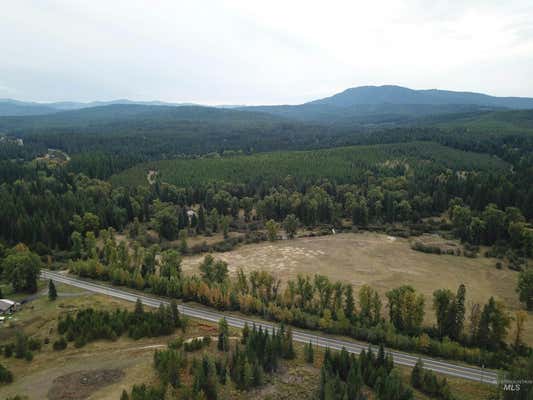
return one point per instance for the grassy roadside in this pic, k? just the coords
(296, 379)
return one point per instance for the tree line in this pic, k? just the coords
(318, 303)
(90, 324)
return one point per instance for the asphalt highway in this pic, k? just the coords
(443, 367)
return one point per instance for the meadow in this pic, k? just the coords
(381, 261)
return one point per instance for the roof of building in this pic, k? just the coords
(6, 304)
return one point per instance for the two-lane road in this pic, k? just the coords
(443, 367)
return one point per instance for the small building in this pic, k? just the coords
(8, 306)
(191, 214)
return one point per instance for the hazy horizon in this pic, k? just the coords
(170, 102)
(242, 53)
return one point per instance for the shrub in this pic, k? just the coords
(197, 344)
(60, 344)
(5, 375)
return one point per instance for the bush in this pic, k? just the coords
(34, 344)
(176, 343)
(428, 383)
(425, 248)
(197, 344)
(60, 344)
(80, 341)
(5, 375)
(8, 350)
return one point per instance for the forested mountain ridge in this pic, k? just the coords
(9, 107)
(101, 116)
(359, 105)
(389, 104)
(368, 115)
(508, 121)
(391, 94)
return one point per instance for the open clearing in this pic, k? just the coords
(99, 370)
(381, 261)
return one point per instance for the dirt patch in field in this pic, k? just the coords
(80, 385)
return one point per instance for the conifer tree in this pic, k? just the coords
(349, 306)
(139, 309)
(309, 353)
(223, 335)
(184, 248)
(288, 346)
(201, 219)
(175, 313)
(459, 312)
(52, 293)
(416, 374)
(245, 333)
(354, 382)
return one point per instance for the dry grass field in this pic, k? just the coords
(65, 375)
(379, 260)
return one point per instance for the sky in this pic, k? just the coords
(260, 52)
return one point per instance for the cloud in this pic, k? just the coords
(243, 51)
(6, 90)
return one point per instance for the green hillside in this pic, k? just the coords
(343, 164)
(497, 122)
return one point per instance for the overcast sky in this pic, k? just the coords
(260, 52)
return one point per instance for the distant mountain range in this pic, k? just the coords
(390, 94)
(10, 107)
(131, 118)
(365, 105)
(392, 104)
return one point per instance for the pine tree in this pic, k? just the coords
(349, 306)
(77, 244)
(52, 293)
(223, 335)
(139, 309)
(175, 313)
(184, 248)
(258, 374)
(201, 219)
(124, 395)
(459, 312)
(309, 353)
(248, 376)
(417, 374)
(288, 346)
(322, 383)
(245, 333)
(380, 362)
(354, 382)
(224, 222)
